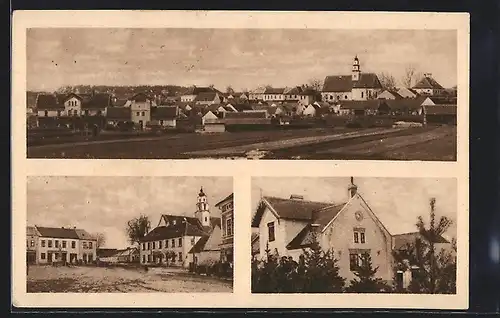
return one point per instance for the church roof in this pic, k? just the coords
(178, 226)
(344, 83)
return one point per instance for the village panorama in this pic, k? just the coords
(185, 248)
(342, 116)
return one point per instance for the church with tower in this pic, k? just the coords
(356, 86)
(179, 240)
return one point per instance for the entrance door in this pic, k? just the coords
(49, 257)
(141, 123)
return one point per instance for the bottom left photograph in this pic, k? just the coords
(129, 234)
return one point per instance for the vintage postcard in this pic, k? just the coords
(352, 130)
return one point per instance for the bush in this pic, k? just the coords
(316, 272)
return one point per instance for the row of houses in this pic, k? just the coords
(46, 245)
(184, 240)
(349, 228)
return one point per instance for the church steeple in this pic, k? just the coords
(202, 209)
(355, 69)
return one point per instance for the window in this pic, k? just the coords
(57, 256)
(143, 246)
(90, 246)
(345, 97)
(143, 114)
(144, 258)
(58, 113)
(154, 245)
(50, 243)
(180, 256)
(229, 227)
(137, 114)
(353, 261)
(75, 112)
(42, 255)
(73, 244)
(149, 258)
(362, 94)
(359, 235)
(32, 243)
(161, 122)
(180, 241)
(46, 113)
(64, 244)
(149, 245)
(57, 243)
(173, 243)
(159, 244)
(43, 243)
(206, 219)
(270, 230)
(166, 243)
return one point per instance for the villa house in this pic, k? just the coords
(357, 86)
(175, 235)
(349, 228)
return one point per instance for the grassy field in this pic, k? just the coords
(427, 143)
(50, 279)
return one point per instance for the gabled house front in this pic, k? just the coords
(348, 229)
(428, 86)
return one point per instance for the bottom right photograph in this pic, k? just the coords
(354, 235)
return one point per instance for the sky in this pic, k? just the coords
(105, 204)
(241, 58)
(397, 202)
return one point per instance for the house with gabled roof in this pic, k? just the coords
(428, 86)
(175, 235)
(292, 93)
(357, 86)
(208, 98)
(164, 116)
(348, 228)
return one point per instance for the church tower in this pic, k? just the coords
(355, 69)
(202, 209)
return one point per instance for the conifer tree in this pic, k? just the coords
(366, 280)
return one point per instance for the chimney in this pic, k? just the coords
(352, 189)
(296, 197)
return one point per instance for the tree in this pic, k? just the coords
(387, 80)
(366, 281)
(315, 84)
(410, 76)
(434, 271)
(101, 239)
(229, 90)
(137, 228)
(320, 271)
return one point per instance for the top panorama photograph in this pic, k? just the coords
(171, 93)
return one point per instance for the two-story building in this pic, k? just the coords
(227, 222)
(67, 245)
(257, 94)
(175, 235)
(274, 94)
(357, 86)
(140, 109)
(348, 228)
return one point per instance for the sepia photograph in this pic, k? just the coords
(357, 235)
(241, 93)
(129, 234)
